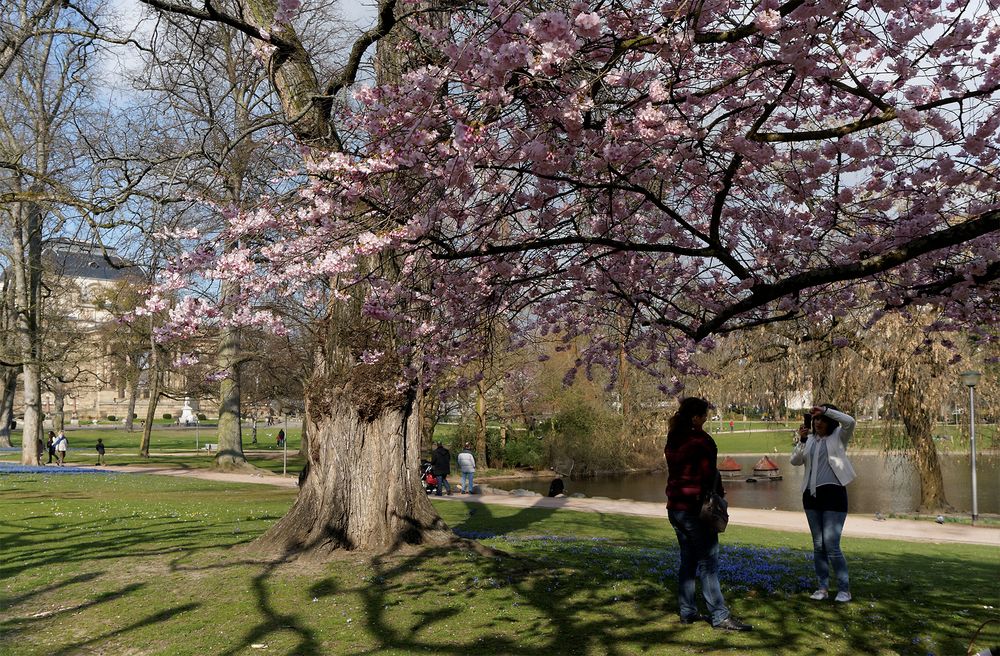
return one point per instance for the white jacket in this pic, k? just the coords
(466, 462)
(836, 450)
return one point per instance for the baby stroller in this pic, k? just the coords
(428, 477)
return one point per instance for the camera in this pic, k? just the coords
(807, 420)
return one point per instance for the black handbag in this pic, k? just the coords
(714, 508)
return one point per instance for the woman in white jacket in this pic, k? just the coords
(823, 451)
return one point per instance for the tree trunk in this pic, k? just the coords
(230, 434)
(918, 421)
(154, 397)
(133, 391)
(362, 491)
(8, 386)
(59, 406)
(28, 279)
(429, 407)
(303, 439)
(481, 423)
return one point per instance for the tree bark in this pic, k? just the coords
(429, 406)
(154, 397)
(363, 490)
(59, 406)
(230, 434)
(8, 386)
(28, 279)
(133, 390)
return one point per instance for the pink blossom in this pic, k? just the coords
(286, 10)
(588, 25)
(767, 21)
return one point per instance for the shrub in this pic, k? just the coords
(112, 418)
(202, 417)
(523, 450)
(167, 415)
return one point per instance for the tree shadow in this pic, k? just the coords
(23, 597)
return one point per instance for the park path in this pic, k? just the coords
(858, 526)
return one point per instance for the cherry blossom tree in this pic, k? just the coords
(634, 176)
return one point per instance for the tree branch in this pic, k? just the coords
(984, 224)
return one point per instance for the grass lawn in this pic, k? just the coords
(134, 565)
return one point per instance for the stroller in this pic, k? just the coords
(428, 477)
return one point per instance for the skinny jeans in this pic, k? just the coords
(826, 514)
(699, 547)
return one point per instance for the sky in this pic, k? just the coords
(135, 17)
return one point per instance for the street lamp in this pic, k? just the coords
(970, 379)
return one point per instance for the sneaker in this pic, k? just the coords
(819, 595)
(843, 597)
(732, 624)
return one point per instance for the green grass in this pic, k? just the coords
(127, 564)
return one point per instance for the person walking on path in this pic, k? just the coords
(100, 451)
(467, 465)
(39, 450)
(691, 455)
(51, 445)
(823, 450)
(61, 444)
(441, 467)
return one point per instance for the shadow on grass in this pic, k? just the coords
(559, 593)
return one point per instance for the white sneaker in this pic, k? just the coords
(819, 595)
(843, 597)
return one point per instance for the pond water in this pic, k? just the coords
(885, 483)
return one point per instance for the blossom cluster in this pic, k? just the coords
(634, 181)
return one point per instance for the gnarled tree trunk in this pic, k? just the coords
(362, 490)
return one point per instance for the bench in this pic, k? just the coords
(210, 447)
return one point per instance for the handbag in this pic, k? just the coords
(714, 509)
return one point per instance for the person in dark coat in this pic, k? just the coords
(51, 444)
(691, 472)
(441, 467)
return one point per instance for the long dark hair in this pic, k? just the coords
(679, 426)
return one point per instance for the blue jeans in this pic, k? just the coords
(443, 480)
(699, 557)
(826, 527)
(467, 481)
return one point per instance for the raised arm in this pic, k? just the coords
(846, 424)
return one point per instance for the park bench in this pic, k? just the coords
(210, 447)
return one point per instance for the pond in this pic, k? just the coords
(885, 483)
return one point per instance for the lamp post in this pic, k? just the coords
(970, 379)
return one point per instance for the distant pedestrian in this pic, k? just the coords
(557, 488)
(281, 438)
(100, 451)
(39, 450)
(732, 426)
(467, 466)
(441, 467)
(691, 474)
(51, 444)
(823, 451)
(61, 445)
